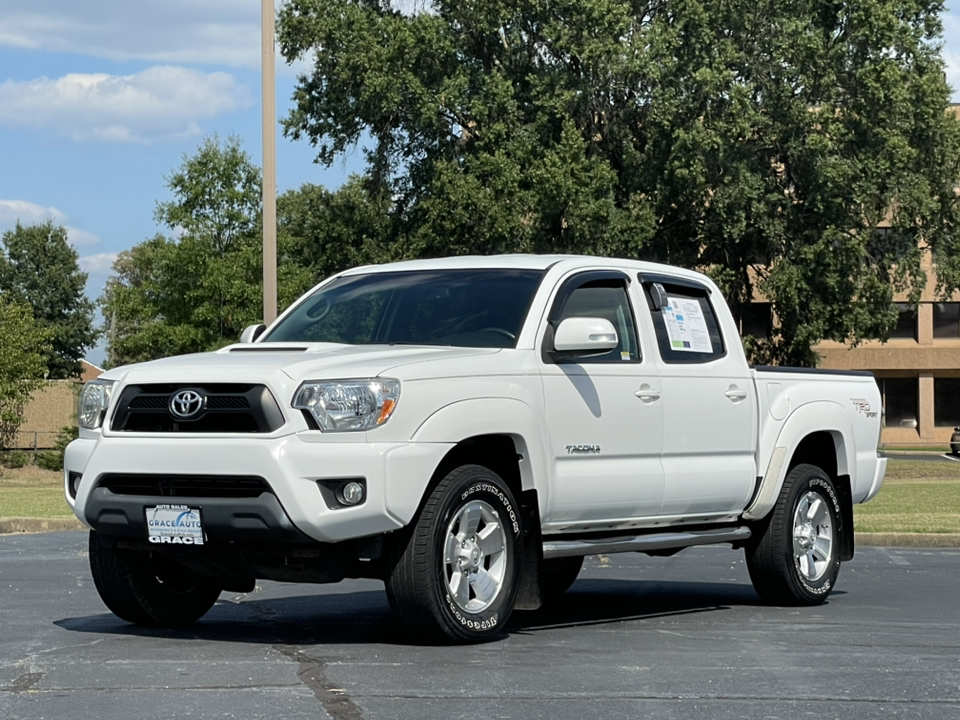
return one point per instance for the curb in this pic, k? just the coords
(11, 526)
(909, 540)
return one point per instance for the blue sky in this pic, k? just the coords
(100, 99)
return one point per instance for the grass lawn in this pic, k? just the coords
(32, 492)
(921, 497)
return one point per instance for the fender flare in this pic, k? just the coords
(821, 416)
(474, 417)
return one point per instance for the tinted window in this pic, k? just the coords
(906, 328)
(946, 402)
(946, 320)
(468, 308)
(899, 401)
(601, 298)
(687, 329)
(757, 319)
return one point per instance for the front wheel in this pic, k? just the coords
(456, 576)
(146, 588)
(796, 559)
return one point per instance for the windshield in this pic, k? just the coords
(463, 308)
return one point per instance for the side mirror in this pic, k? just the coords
(252, 332)
(585, 336)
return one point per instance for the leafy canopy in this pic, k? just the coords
(39, 270)
(197, 291)
(23, 363)
(760, 141)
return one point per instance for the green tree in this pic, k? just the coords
(39, 269)
(23, 363)
(323, 232)
(216, 195)
(196, 292)
(760, 141)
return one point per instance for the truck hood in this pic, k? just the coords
(293, 361)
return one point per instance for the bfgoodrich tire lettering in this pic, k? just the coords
(455, 577)
(796, 559)
(145, 588)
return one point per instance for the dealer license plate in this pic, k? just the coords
(174, 525)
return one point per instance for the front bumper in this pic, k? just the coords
(396, 475)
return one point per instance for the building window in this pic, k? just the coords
(946, 320)
(946, 402)
(899, 401)
(906, 322)
(757, 319)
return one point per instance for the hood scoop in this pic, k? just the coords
(277, 349)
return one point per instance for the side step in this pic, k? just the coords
(642, 543)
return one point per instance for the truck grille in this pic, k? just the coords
(225, 408)
(198, 486)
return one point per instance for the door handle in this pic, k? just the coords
(736, 394)
(647, 393)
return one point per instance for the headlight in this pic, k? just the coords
(94, 399)
(345, 405)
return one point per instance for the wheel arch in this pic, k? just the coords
(829, 446)
(504, 435)
(491, 431)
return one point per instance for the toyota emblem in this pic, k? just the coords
(187, 404)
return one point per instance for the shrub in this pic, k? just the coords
(53, 459)
(15, 459)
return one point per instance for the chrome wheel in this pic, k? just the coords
(813, 537)
(475, 558)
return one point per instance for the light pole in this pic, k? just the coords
(269, 121)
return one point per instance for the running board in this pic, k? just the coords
(643, 543)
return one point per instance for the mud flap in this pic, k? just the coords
(846, 518)
(529, 594)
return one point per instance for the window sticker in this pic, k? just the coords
(686, 325)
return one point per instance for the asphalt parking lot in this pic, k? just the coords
(636, 637)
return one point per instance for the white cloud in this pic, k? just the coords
(26, 213)
(217, 32)
(99, 264)
(951, 52)
(29, 213)
(81, 238)
(159, 103)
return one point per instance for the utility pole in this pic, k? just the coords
(269, 120)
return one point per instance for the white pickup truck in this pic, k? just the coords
(467, 430)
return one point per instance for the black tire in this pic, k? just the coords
(796, 558)
(466, 596)
(146, 588)
(558, 575)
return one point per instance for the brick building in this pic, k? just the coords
(50, 409)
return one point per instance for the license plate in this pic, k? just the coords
(174, 525)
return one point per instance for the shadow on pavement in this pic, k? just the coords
(365, 616)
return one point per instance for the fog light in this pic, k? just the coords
(351, 493)
(73, 483)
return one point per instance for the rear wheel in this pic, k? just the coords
(796, 559)
(146, 588)
(456, 576)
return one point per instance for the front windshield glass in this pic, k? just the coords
(463, 308)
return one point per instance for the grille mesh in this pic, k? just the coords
(205, 486)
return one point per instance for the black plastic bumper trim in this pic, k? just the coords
(260, 519)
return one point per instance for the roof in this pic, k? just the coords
(519, 262)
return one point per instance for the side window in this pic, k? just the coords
(600, 295)
(686, 325)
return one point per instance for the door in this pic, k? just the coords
(709, 400)
(605, 439)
